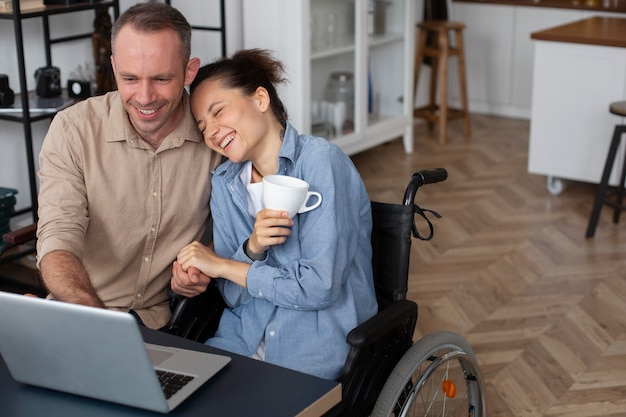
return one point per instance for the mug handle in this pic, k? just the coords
(310, 194)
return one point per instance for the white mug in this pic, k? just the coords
(282, 192)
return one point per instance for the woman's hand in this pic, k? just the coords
(196, 255)
(272, 227)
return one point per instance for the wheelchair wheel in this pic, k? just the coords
(437, 376)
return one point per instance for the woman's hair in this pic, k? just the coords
(153, 17)
(247, 70)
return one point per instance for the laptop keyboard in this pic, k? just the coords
(172, 382)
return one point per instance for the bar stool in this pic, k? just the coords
(441, 52)
(613, 198)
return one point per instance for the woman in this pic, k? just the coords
(294, 287)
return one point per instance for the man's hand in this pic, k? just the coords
(189, 283)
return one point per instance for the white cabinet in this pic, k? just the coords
(316, 38)
(571, 126)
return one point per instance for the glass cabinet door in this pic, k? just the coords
(358, 73)
(385, 66)
(333, 67)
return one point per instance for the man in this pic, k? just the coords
(125, 177)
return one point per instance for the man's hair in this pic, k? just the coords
(153, 17)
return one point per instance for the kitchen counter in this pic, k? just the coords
(617, 6)
(579, 70)
(604, 31)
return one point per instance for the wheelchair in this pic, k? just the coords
(385, 373)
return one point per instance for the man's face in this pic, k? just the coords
(150, 75)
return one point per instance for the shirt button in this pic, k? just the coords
(296, 307)
(153, 229)
(260, 293)
(154, 194)
(272, 333)
(139, 295)
(146, 259)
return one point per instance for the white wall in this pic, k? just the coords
(67, 56)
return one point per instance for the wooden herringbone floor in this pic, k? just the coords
(509, 268)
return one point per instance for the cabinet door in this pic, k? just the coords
(374, 40)
(336, 67)
(389, 66)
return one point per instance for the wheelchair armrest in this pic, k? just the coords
(177, 307)
(379, 325)
(195, 318)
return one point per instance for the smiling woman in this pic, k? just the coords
(295, 286)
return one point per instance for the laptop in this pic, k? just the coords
(96, 353)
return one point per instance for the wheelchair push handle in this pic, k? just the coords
(426, 176)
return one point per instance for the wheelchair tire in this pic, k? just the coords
(437, 376)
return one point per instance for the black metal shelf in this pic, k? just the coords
(26, 117)
(57, 9)
(221, 29)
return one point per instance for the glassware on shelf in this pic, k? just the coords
(340, 89)
(376, 20)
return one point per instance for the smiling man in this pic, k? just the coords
(125, 177)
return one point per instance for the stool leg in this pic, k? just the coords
(443, 84)
(604, 181)
(432, 93)
(619, 195)
(463, 83)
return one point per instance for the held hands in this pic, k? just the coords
(196, 263)
(272, 227)
(188, 283)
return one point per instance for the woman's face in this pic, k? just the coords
(232, 123)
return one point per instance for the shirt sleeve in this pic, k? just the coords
(62, 193)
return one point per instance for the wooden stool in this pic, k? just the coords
(615, 197)
(440, 53)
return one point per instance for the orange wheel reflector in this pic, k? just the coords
(449, 388)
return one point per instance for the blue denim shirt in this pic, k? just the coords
(310, 291)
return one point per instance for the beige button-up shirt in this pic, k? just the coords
(121, 207)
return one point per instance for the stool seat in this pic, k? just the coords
(618, 108)
(441, 49)
(615, 197)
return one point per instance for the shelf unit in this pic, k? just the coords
(314, 38)
(27, 116)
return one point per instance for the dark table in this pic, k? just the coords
(246, 387)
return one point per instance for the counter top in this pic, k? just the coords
(617, 6)
(605, 31)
